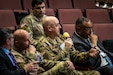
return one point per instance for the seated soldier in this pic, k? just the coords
(56, 48)
(25, 53)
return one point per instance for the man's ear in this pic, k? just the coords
(78, 28)
(8, 41)
(49, 28)
(16, 43)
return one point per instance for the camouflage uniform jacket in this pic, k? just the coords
(23, 59)
(33, 25)
(53, 52)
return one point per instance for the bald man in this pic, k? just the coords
(56, 48)
(25, 53)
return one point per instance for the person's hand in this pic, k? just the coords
(94, 38)
(93, 52)
(31, 67)
(31, 49)
(68, 43)
(70, 65)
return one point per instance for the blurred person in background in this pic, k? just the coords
(33, 22)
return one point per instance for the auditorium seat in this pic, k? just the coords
(56, 4)
(14, 5)
(70, 28)
(98, 15)
(10, 4)
(49, 12)
(104, 30)
(84, 4)
(7, 19)
(108, 45)
(69, 15)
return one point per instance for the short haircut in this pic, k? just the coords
(36, 2)
(5, 34)
(80, 20)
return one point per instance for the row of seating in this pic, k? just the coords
(103, 30)
(102, 24)
(10, 19)
(70, 15)
(54, 4)
(65, 15)
(96, 15)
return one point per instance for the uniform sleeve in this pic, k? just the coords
(56, 54)
(26, 24)
(48, 64)
(79, 57)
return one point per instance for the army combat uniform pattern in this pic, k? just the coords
(46, 67)
(53, 51)
(33, 25)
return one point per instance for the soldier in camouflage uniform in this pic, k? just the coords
(33, 22)
(56, 48)
(25, 53)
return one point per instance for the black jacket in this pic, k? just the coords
(6, 67)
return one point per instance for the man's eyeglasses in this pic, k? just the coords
(87, 28)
